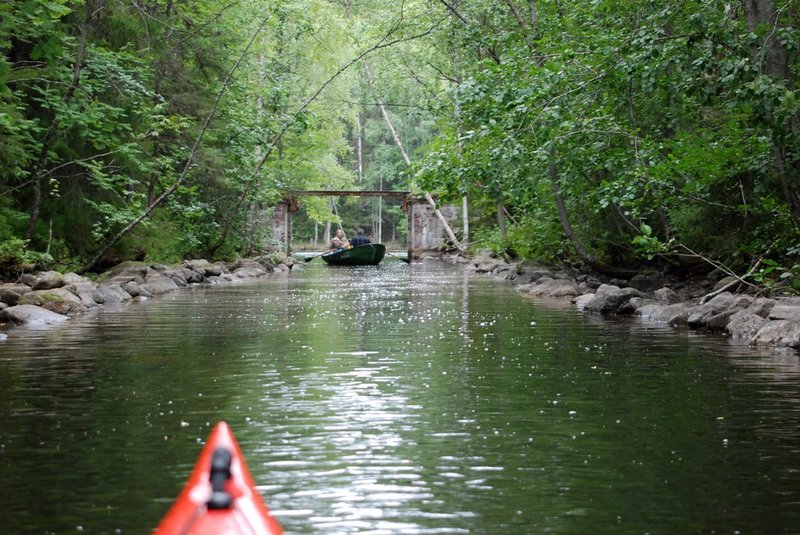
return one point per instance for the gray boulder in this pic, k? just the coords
(200, 264)
(486, 266)
(125, 268)
(781, 333)
(157, 284)
(10, 293)
(245, 263)
(249, 272)
(48, 280)
(632, 306)
(217, 269)
(581, 300)
(523, 279)
(58, 300)
(723, 282)
(189, 276)
(87, 292)
(113, 293)
(134, 290)
(505, 271)
(666, 296)
(28, 279)
(74, 278)
(700, 313)
(547, 287)
(608, 298)
(676, 314)
(763, 306)
(177, 277)
(647, 282)
(786, 308)
(718, 322)
(30, 315)
(192, 275)
(743, 326)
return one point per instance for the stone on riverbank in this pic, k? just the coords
(11, 293)
(743, 327)
(113, 293)
(30, 315)
(609, 298)
(134, 290)
(647, 282)
(548, 287)
(158, 283)
(87, 292)
(719, 321)
(51, 295)
(675, 314)
(763, 321)
(246, 268)
(787, 308)
(700, 313)
(48, 280)
(666, 296)
(128, 268)
(784, 333)
(58, 300)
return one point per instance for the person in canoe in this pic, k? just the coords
(359, 238)
(339, 241)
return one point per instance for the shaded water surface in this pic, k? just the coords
(398, 399)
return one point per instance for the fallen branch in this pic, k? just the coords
(737, 279)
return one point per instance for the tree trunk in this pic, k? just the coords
(379, 233)
(326, 235)
(400, 146)
(501, 221)
(774, 62)
(465, 218)
(407, 160)
(566, 226)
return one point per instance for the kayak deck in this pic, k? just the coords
(220, 497)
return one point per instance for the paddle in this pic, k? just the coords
(406, 260)
(310, 258)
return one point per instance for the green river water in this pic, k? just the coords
(397, 400)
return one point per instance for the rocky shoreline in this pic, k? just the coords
(706, 305)
(51, 297)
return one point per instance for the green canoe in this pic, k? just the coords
(370, 254)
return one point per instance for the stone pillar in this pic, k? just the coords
(281, 225)
(425, 232)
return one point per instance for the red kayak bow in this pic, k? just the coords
(220, 497)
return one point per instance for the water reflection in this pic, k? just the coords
(398, 399)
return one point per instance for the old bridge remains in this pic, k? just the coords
(425, 231)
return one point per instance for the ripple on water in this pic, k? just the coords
(399, 400)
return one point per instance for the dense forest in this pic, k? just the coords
(618, 134)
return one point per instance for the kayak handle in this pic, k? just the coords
(220, 474)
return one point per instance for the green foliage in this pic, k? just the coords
(660, 124)
(16, 257)
(648, 245)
